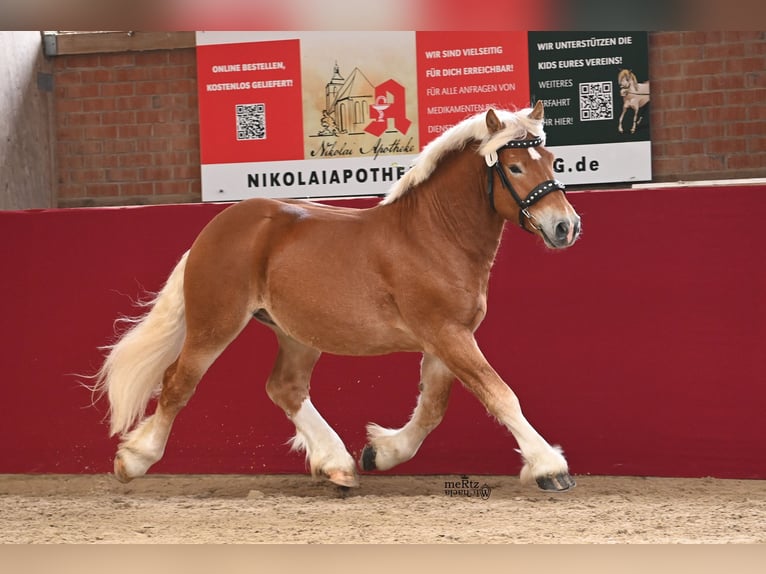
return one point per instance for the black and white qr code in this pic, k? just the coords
(596, 101)
(251, 122)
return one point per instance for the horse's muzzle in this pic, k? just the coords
(564, 233)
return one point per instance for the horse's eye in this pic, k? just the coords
(515, 168)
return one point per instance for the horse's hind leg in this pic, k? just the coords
(206, 338)
(288, 388)
(145, 445)
(389, 447)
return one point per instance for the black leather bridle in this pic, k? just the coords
(540, 191)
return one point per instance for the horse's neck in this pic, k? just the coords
(452, 207)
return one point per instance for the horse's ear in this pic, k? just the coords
(537, 112)
(493, 124)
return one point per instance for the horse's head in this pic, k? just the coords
(626, 78)
(527, 191)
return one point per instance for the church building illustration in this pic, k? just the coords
(347, 103)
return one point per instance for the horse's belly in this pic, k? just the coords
(359, 343)
(333, 329)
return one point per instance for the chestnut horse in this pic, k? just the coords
(409, 274)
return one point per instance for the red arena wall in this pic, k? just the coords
(640, 350)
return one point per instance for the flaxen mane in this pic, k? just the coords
(517, 125)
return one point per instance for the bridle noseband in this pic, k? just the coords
(540, 191)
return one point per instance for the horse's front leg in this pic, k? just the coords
(542, 462)
(388, 447)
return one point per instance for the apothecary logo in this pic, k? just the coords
(354, 108)
(467, 487)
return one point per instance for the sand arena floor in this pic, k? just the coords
(385, 509)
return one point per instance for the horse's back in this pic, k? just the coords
(259, 222)
(240, 241)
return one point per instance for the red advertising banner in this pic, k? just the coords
(463, 73)
(249, 78)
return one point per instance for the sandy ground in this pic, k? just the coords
(385, 509)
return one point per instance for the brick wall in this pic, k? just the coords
(127, 130)
(708, 109)
(127, 127)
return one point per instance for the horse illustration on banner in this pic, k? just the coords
(634, 96)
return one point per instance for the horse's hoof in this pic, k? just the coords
(368, 458)
(556, 482)
(343, 478)
(120, 472)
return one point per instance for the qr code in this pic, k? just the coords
(251, 121)
(596, 101)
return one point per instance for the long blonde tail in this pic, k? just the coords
(134, 366)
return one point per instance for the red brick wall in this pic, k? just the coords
(708, 109)
(127, 128)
